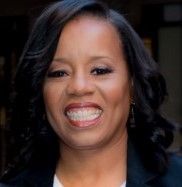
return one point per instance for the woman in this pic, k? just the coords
(87, 104)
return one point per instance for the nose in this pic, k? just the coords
(80, 85)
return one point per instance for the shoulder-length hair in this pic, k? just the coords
(151, 133)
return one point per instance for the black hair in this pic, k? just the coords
(151, 133)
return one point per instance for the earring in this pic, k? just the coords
(132, 115)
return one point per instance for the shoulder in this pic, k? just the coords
(13, 178)
(175, 168)
(4, 185)
(34, 177)
(38, 171)
(138, 174)
(173, 175)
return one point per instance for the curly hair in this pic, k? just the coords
(151, 134)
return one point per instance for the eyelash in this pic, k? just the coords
(57, 73)
(101, 71)
(98, 71)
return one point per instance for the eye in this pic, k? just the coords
(101, 71)
(58, 73)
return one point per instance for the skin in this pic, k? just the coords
(93, 155)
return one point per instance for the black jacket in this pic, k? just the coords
(41, 174)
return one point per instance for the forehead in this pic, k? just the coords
(90, 24)
(89, 32)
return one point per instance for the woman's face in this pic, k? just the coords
(87, 88)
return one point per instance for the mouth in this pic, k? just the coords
(83, 114)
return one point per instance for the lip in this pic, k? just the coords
(83, 124)
(81, 105)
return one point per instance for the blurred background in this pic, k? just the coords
(158, 22)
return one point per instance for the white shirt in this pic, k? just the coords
(57, 183)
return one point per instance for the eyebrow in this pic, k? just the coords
(92, 58)
(58, 59)
(100, 57)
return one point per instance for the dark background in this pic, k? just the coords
(158, 22)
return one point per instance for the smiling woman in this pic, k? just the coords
(86, 89)
(87, 105)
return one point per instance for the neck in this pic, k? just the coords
(94, 167)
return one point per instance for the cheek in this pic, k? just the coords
(119, 103)
(51, 95)
(116, 91)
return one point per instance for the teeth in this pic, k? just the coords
(83, 114)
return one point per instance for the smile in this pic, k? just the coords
(83, 114)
